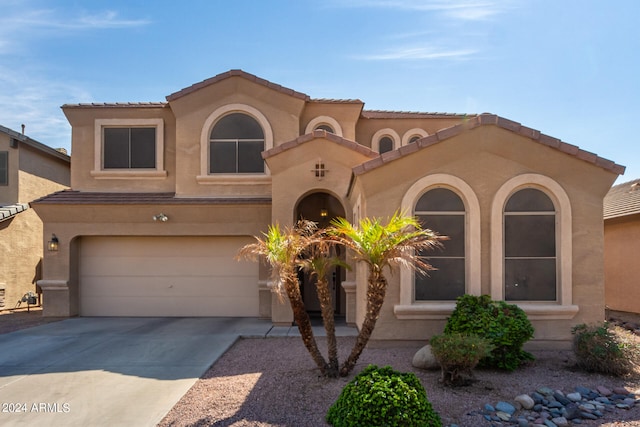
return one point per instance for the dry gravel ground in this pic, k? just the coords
(273, 382)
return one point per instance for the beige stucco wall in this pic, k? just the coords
(83, 146)
(622, 270)
(33, 174)
(485, 158)
(346, 114)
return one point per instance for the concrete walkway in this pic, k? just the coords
(114, 371)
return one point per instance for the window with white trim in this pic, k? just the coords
(236, 144)
(4, 168)
(326, 127)
(442, 210)
(530, 259)
(129, 148)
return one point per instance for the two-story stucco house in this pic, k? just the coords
(164, 194)
(28, 170)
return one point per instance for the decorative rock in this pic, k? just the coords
(503, 416)
(522, 422)
(489, 408)
(560, 421)
(588, 416)
(583, 391)
(561, 398)
(506, 407)
(546, 391)
(622, 406)
(604, 391)
(620, 390)
(537, 397)
(574, 397)
(572, 411)
(525, 400)
(550, 423)
(424, 359)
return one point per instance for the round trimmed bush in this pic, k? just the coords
(506, 326)
(383, 397)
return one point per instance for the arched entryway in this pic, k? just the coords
(322, 208)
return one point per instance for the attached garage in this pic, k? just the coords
(166, 276)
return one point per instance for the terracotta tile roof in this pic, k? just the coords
(382, 114)
(319, 133)
(238, 73)
(9, 211)
(72, 197)
(117, 105)
(622, 200)
(336, 101)
(484, 120)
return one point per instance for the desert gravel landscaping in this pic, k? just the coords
(273, 382)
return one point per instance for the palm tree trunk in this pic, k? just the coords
(324, 296)
(376, 289)
(301, 318)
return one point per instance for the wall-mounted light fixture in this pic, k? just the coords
(161, 217)
(324, 213)
(52, 244)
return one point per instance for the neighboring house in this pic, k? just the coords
(621, 248)
(28, 170)
(164, 194)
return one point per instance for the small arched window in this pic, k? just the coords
(386, 144)
(443, 211)
(326, 127)
(530, 258)
(236, 145)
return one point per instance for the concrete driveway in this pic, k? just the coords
(110, 371)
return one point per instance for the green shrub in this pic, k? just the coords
(605, 348)
(383, 397)
(459, 354)
(505, 325)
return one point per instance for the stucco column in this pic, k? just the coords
(350, 292)
(56, 298)
(281, 313)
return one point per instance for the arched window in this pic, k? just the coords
(236, 144)
(530, 256)
(385, 144)
(325, 127)
(443, 211)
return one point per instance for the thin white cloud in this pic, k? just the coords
(468, 10)
(418, 53)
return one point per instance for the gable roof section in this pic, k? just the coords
(622, 200)
(118, 105)
(35, 144)
(484, 120)
(319, 133)
(236, 73)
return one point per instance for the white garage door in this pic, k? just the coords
(166, 276)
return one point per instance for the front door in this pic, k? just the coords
(322, 208)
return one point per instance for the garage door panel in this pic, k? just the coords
(164, 266)
(157, 276)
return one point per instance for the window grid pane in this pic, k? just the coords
(4, 168)
(223, 157)
(530, 259)
(443, 211)
(129, 148)
(236, 145)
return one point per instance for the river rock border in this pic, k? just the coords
(554, 408)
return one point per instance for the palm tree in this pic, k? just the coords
(282, 249)
(317, 263)
(399, 242)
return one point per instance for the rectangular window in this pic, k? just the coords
(4, 168)
(129, 148)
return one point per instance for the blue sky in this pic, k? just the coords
(569, 68)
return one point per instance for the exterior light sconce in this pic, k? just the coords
(161, 217)
(324, 213)
(52, 245)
